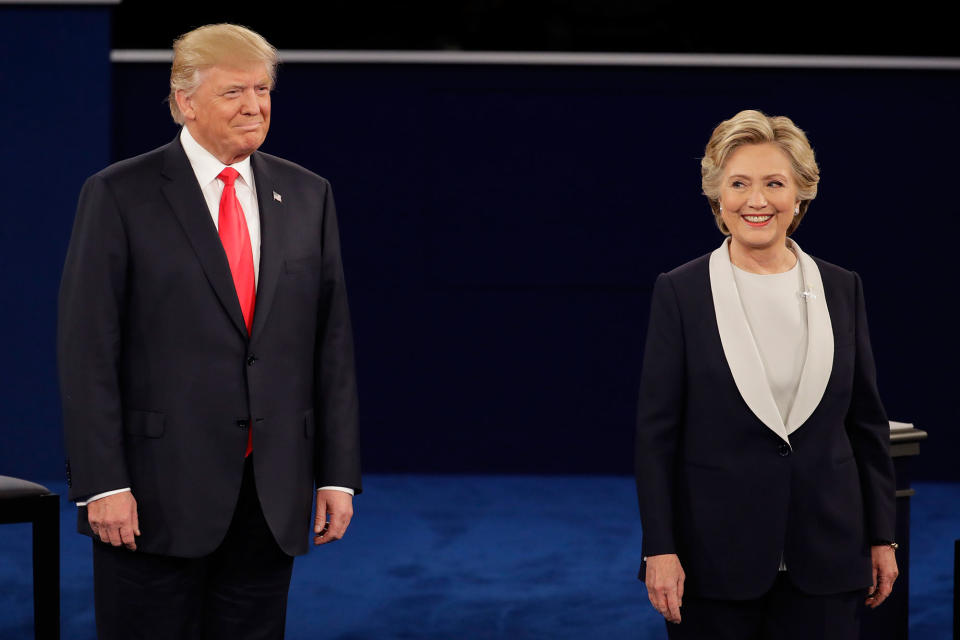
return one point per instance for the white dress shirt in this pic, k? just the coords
(206, 167)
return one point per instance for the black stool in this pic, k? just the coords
(23, 501)
(956, 590)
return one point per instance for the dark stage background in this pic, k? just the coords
(503, 225)
(813, 27)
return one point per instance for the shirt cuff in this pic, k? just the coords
(83, 503)
(344, 489)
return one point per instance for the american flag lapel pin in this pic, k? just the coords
(276, 196)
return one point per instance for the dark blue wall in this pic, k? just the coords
(503, 227)
(55, 73)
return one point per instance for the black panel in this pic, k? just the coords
(561, 25)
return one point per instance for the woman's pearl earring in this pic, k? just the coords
(796, 211)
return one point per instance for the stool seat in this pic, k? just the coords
(16, 488)
(25, 501)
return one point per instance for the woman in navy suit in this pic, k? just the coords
(763, 472)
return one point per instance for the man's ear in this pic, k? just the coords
(185, 103)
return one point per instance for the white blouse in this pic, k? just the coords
(778, 321)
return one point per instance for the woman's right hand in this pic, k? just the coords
(664, 580)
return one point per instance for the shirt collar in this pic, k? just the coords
(206, 166)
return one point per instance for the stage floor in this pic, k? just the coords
(478, 557)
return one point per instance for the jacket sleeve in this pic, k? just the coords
(338, 447)
(869, 431)
(89, 328)
(659, 419)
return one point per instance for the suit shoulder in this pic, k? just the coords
(291, 169)
(833, 273)
(695, 269)
(151, 161)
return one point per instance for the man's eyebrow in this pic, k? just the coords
(240, 85)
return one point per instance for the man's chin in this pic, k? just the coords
(246, 146)
(257, 128)
(254, 139)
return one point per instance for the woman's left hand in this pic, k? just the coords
(884, 573)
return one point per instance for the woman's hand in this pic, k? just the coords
(664, 580)
(884, 573)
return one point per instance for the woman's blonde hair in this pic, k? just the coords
(210, 45)
(755, 127)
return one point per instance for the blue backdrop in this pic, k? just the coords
(502, 228)
(56, 74)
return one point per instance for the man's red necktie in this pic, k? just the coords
(232, 225)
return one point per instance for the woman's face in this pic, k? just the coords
(758, 195)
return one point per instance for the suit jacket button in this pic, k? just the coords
(251, 360)
(784, 450)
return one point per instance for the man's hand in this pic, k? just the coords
(884, 573)
(339, 506)
(114, 519)
(664, 580)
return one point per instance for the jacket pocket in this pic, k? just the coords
(146, 424)
(305, 263)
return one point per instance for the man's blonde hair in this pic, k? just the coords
(755, 127)
(211, 45)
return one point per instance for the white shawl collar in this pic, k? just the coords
(743, 356)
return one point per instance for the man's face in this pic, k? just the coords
(229, 113)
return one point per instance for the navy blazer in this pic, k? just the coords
(726, 483)
(159, 377)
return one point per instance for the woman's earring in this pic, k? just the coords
(720, 207)
(796, 211)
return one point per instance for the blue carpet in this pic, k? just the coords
(479, 557)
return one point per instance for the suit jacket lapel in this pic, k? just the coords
(739, 347)
(819, 361)
(272, 234)
(185, 198)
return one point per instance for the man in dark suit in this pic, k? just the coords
(206, 362)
